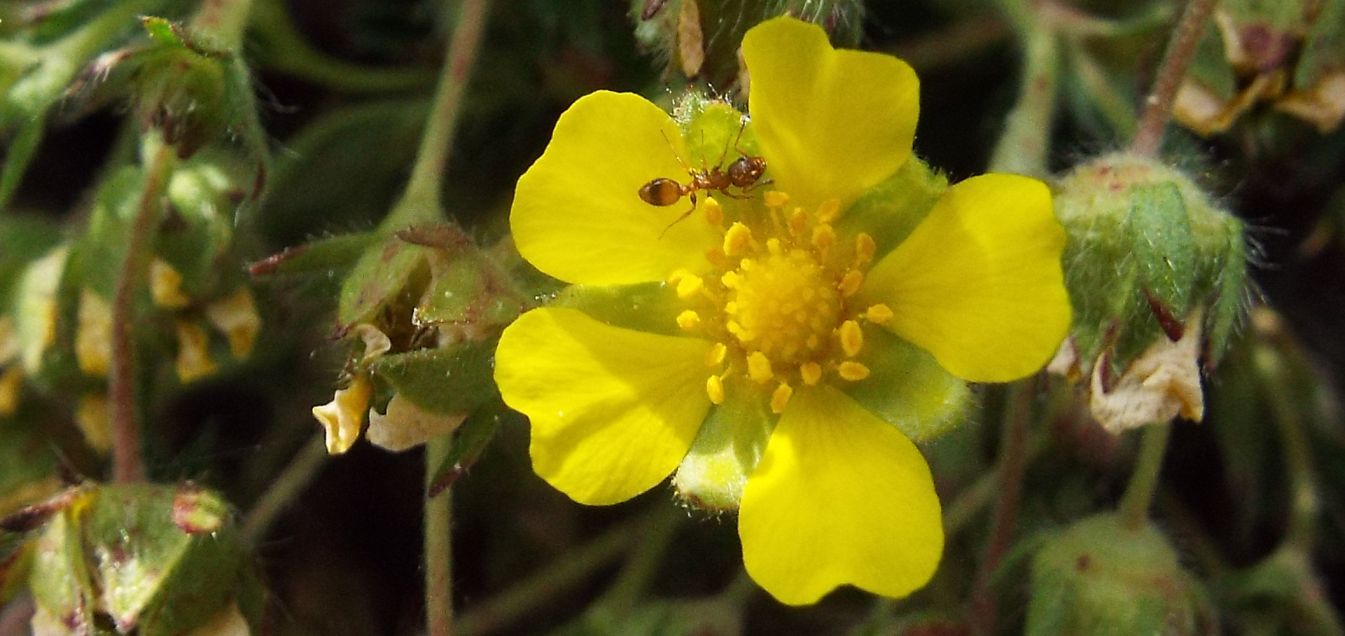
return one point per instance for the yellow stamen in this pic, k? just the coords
(714, 387)
(780, 398)
(824, 237)
(865, 248)
(193, 352)
(236, 316)
(716, 355)
(94, 421)
(852, 371)
(811, 373)
(11, 380)
(852, 338)
(689, 285)
(850, 282)
(737, 239)
(829, 210)
(759, 367)
(798, 222)
(878, 314)
(688, 320)
(773, 246)
(714, 213)
(165, 286)
(775, 199)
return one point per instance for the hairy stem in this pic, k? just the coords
(1023, 146)
(127, 463)
(421, 201)
(438, 545)
(223, 21)
(1180, 51)
(1012, 464)
(1139, 493)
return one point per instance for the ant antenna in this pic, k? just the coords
(676, 155)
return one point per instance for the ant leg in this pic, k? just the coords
(739, 138)
(758, 184)
(680, 218)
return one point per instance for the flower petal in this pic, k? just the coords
(831, 123)
(577, 211)
(613, 410)
(839, 497)
(978, 283)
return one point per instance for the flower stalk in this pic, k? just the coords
(1027, 132)
(301, 470)
(1139, 493)
(127, 463)
(438, 544)
(1177, 58)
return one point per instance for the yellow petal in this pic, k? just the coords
(193, 352)
(93, 336)
(839, 497)
(830, 123)
(577, 211)
(978, 283)
(236, 316)
(613, 410)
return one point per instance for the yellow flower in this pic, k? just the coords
(781, 303)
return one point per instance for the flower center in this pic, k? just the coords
(777, 304)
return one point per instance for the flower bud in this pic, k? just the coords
(148, 559)
(1099, 577)
(181, 93)
(1157, 277)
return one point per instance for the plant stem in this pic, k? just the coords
(223, 22)
(127, 463)
(292, 481)
(1024, 144)
(438, 544)
(1180, 51)
(1011, 466)
(572, 568)
(1139, 493)
(1288, 418)
(421, 200)
(642, 564)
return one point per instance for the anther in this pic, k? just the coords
(811, 372)
(715, 356)
(865, 248)
(737, 239)
(775, 199)
(824, 237)
(689, 320)
(829, 210)
(849, 283)
(852, 371)
(714, 387)
(878, 314)
(714, 213)
(759, 368)
(688, 286)
(852, 337)
(798, 222)
(780, 398)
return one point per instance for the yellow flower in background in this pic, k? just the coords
(774, 303)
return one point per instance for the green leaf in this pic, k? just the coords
(449, 380)
(331, 256)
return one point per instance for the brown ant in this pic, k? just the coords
(743, 173)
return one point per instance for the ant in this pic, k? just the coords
(744, 173)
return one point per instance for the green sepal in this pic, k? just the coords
(726, 449)
(469, 441)
(892, 209)
(648, 307)
(331, 256)
(162, 31)
(1161, 241)
(1232, 298)
(27, 461)
(197, 236)
(59, 579)
(16, 563)
(449, 380)
(907, 388)
(466, 286)
(379, 277)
